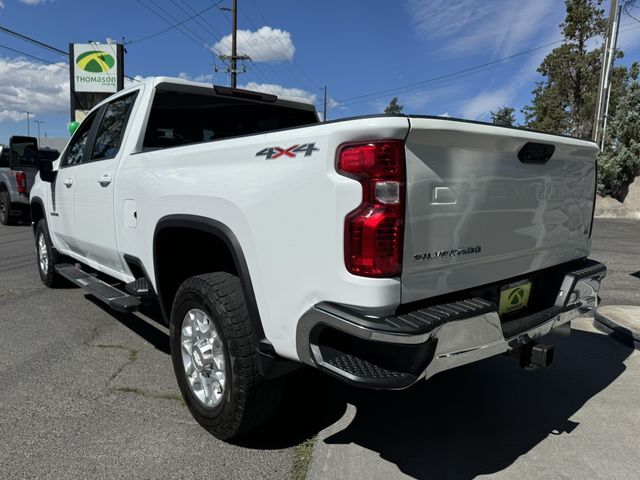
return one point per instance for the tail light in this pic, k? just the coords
(21, 180)
(374, 231)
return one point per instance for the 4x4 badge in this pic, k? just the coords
(271, 153)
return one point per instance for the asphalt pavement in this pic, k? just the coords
(87, 392)
(580, 418)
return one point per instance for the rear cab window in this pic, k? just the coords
(181, 118)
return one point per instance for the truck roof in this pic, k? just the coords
(153, 82)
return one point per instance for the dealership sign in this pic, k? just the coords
(96, 72)
(95, 68)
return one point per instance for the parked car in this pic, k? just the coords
(381, 250)
(16, 181)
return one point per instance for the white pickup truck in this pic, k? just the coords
(381, 250)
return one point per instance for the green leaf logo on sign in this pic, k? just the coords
(95, 62)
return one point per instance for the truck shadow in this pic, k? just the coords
(480, 418)
(474, 420)
(151, 330)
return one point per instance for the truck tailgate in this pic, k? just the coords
(476, 213)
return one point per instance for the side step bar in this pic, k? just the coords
(116, 299)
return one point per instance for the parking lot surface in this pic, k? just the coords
(86, 392)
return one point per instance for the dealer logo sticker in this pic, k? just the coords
(516, 297)
(95, 61)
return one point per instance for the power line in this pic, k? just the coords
(33, 41)
(293, 74)
(195, 38)
(202, 22)
(626, 6)
(211, 30)
(463, 72)
(280, 41)
(172, 27)
(42, 45)
(247, 42)
(34, 57)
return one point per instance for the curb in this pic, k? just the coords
(622, 322)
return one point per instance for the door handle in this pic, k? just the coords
(68, 182)
(104, 180)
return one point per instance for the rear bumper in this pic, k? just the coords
(397, 351)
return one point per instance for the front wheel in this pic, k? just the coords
(47, 256)
(214, 353)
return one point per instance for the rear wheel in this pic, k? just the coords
(5, 208)
(47, 256)
(214, 349)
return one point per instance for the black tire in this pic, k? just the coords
(48, 275)
(5, 208)
(248, 399)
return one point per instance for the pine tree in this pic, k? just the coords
(504, 116)
(394, 108)
(564, 102)
(619, 163)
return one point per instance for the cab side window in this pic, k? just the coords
(111, 130)
(75, 152)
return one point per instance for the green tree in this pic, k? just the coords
(619, 162)
(564, 101)
(504, 116)
(394, 108)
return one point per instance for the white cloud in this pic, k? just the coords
(33, 87)
(32, 2)
(279, 90)
(500, 27)
(264, 45)
(484, 102)
(11, 115)
(203, 77)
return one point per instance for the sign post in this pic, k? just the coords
(96, 71)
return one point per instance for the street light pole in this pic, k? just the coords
(38, 122)
(28, 114)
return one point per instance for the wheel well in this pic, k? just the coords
(37, 213)
(181, 253)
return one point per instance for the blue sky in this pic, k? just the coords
(365, 51)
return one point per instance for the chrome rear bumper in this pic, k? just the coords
(397, 351)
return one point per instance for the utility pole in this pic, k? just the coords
(604, 89)
(38, 122)
(324, 117)
(28, 115)
(234, 57)
(234, 45)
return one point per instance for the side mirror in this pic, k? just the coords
(24, 153)
(45, 167)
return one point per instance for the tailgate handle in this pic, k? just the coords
(536, 152)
